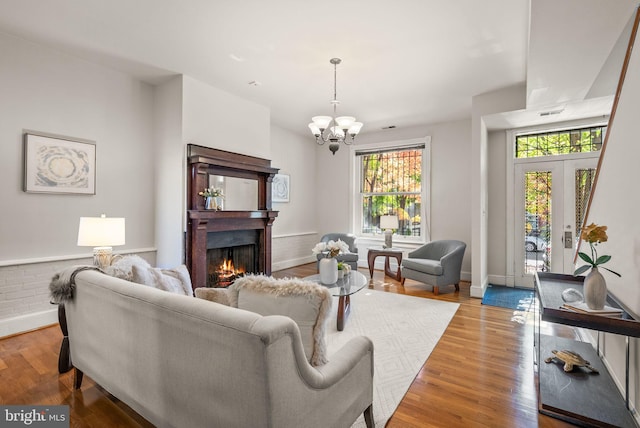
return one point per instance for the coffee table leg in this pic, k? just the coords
(344, 308)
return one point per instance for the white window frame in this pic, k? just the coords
(425, 208)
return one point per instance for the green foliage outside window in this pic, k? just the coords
(392, 185)
(560, 142)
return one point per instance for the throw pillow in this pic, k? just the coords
(175, 280)
(122, 267)
(307, 303)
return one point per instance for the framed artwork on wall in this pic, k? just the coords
(280, 188)
(57, 164)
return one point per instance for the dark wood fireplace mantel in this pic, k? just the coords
(202, 162)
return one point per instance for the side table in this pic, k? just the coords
(386, 252)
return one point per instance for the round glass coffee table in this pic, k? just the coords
(343, 289)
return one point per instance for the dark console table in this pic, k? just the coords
(579, 397)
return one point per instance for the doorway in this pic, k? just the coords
(551, 198)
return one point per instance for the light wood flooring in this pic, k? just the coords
(480, 373)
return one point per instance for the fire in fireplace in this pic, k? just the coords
(226, 264)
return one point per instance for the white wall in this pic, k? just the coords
(170, 175)
(45, 90)
(294, 230)
(616, 204)
(497, 208)
(218, 119)
(502, 100)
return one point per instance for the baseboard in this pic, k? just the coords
(499, 280)
(286, 264)
(478, 290)
(28, 322)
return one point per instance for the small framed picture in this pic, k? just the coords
(280, 188)
(55, 164)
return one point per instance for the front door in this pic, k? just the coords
(551, 198)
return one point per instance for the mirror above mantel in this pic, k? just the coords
(240, 194)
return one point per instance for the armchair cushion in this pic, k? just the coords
(307, 303)
(432, 267)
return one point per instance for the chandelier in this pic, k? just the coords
(332, 129)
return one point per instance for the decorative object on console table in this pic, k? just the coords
(102, 233)
(57, 164)
(328, 265)
(387, 223)
(595, 286)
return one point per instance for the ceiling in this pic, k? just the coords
(418, 62)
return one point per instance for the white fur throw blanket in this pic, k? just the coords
(63, 283)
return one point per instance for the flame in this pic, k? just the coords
(227, 266)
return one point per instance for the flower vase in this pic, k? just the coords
(328, 268)
(595, 289)
(209, 203)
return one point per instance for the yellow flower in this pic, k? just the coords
(594, 234)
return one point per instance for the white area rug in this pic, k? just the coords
(404, 331)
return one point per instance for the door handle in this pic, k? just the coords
(568, 239)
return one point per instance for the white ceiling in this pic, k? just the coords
(405, 63)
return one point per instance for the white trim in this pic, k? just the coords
(69, 257)
(354, 173)
(293, 235)
(286, 264)
(28, 322)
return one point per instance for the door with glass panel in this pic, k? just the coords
(551, 201)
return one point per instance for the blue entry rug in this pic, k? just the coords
(508, 297)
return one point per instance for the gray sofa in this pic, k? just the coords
(180, 361)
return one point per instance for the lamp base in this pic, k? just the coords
(102, 256)
(388, 238)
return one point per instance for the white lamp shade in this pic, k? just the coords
(388, 222)
(101, 231)
(322, 122)
(355, 128)
(314, 129)
(345, 122)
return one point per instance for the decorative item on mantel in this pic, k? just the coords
(595, 286)
(213, 198)
(328, 265)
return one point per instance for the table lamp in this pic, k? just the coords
(101, 233)
(387, 223)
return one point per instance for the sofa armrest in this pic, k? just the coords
(342, 362)
(217, 295)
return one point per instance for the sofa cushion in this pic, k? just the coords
(431, 267)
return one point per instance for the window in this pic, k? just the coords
(392, 181)
(582, 140)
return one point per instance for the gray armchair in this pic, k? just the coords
(351, 258)
(436, 263)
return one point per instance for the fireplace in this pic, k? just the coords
(231, 255)
(217, 239)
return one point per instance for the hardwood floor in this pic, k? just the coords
(480, 374)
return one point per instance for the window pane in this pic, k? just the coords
(392, 185)
(560, 142)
